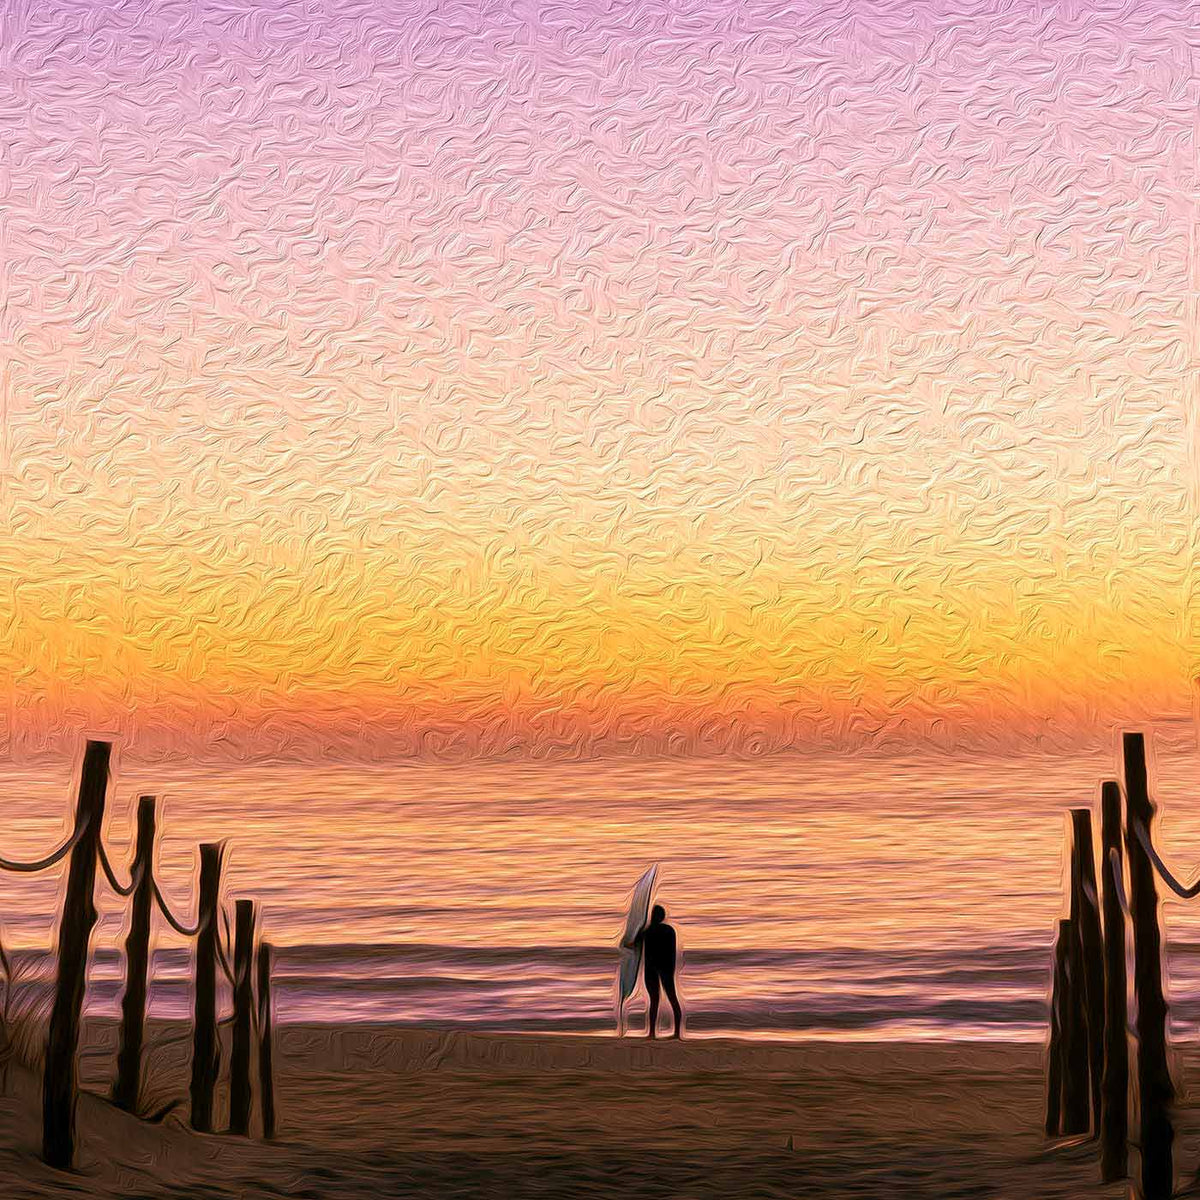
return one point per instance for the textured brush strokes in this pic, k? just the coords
(454, 378)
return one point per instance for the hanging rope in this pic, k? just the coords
(221, 956)
(112, 878)
(43, 864)
(1114, 857)
(172, 920)
(225, 955)
(1184, 893)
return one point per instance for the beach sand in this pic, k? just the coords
(376, 1111)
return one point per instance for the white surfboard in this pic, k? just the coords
(631, 960)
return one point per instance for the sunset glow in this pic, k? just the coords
(592, 396)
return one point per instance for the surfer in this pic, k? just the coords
(658, 970)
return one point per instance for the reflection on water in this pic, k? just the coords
(850, 896)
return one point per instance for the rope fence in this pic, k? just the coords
(86, 851)
(1090, 1064)
(1164, 873)
(124, 892)
(1114, 858)
(52, 859)
(172, 920)
(224, 953)
(1092, 1060)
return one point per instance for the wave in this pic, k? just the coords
(603, 957)
(569, 988)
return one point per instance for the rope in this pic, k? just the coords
(232, 1019)
(1114, 858)
(171, 920)
(225, 964)
(254, 1013)
(6, 964)
(1184, 893)
(225, 954)
(42, 864)
(112, 878)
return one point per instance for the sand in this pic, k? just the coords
(376, 1111)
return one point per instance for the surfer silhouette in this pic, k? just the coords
(658, 966)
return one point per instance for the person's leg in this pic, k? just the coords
(668, 983)
(652, 992)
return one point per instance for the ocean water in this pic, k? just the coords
(813, 896)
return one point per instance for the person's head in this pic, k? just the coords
(658, 915)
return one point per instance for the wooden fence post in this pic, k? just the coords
(206, 1050)
(266, 1080)
(1076, 1100)
(243, 1000)
(1114, 1117)
(59, 1083)
(1155, 1090)
(1091, 944)
(1054, 1064)
(137, 964)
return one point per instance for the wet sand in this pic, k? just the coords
(377, 1111)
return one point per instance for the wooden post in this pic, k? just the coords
(59, 1083)
(243, 1000)
(137, 964)
(266, 1080)
(1114, 1115)
(1091, 945)
(1054, 1063)
(1155, 1090)
(206, 1050)
(1076, 1097)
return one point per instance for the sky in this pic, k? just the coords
(554, 379)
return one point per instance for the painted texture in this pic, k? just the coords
(456, 378)
(442, 380)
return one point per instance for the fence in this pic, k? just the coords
(1092, 1060)
(1090, 1064)
(60, 1082)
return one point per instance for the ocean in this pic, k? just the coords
(837, 896)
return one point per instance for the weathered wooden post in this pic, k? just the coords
(1091, 945)
(1114, 1116)
(243, 1000)
(1075, 1050)
(1054, 1063)
(1155, 1090)
(266, 1080)
(59, 1082)
(1076, 1101)
(206, 1050)
(137, 964)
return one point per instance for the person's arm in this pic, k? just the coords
(637, 940)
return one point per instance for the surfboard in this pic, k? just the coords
(631, 960)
